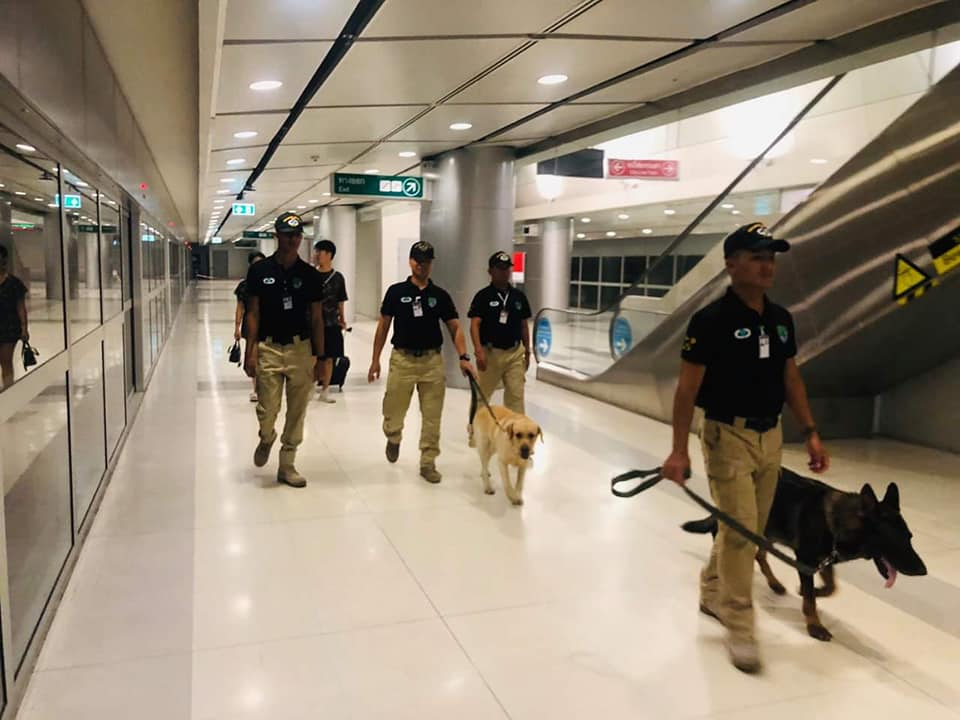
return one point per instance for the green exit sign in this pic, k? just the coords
(257, 235)
(403, 187)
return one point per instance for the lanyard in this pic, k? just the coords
(504, 298)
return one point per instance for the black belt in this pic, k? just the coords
(758, 424)
(503, 347)
(417, 353)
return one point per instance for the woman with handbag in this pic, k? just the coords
(13, 317)
(240, 317)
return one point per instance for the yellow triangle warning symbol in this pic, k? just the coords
(907, 277)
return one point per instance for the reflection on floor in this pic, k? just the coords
(207, 591)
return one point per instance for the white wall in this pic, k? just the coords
(924, 409)
(400, 228)
(367, 294)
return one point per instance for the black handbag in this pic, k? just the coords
(235, 353)
(29, 355)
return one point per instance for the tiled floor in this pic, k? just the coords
(208, 592)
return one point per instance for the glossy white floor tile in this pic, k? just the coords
(208, 592)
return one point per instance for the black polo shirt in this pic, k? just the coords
(417, 329)
(488, 304)
(726, 337)
(285, 297)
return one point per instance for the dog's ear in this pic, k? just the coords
(508, 426)
(868, 498)
(540, 433)
(892, 497)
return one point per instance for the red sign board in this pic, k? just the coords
(518, 258)
(654, 169)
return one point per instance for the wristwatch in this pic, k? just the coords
(465, 358)
(810, 430)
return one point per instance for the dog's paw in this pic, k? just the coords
(777, 588)
(517, 501)
(490, 491)
(824, 591)
(819, 632)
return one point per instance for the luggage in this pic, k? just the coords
(339, 375)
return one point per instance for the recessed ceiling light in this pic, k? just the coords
(236, 161)
(301, 207)
(623, 216)
(262, 85)
(39, 199)
(225, 191)
(53, 205)
(2, 185)
(584, 220)
(312, 201)
(407, 153)
(647, 231)
(581, 236)
(81, 183)
(611, 233)
(728, 206)
(326, 194)
(19, 193)
(553, 79)
(461, 126)
(735, 212)
(372, 171)
(669, 211)
(228, 180)
(25, 147)
(819, 161)
(243, 134)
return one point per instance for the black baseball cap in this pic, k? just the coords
(422, 250)
(752, 237)
(289, 222)
(501, 259)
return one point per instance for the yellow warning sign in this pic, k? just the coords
(907, 278)
(946, 252)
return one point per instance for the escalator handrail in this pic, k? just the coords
(688, 230)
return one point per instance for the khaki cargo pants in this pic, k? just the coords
(743, 467)
(508, 366)
(279, 368)
(425, 373)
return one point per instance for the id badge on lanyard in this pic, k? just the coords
(504, 309)
(288, 302)
(764, 344)
(417, 307)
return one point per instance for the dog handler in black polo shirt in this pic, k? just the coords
(284, 340)
(500, 331)
(738, 365)
(416, 307)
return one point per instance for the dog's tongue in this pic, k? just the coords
(891, 574)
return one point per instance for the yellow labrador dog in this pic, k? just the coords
(510, 436)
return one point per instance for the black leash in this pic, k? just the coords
(476, 392)
(654, 476)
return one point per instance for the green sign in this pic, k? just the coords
(244, 209)
(72, 202)
(87, 228)
(405, 187)
(242, 243)
(257, 235)
(107, 229)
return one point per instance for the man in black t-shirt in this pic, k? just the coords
(416, 308)
(334, 295)
(500, 329)
(738, 365)
(284, 340)
(240, 314)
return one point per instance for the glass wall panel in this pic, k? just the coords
(36, 486)
(83, 254)
(111, 257)
(87, 424)
(128, 356)
(115, 384)
(31, 269)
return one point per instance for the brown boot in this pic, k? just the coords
(289, 476)
(430, 473)
(744, 654)
(393, 451)
(262, 453)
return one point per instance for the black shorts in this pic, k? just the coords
(332, 342)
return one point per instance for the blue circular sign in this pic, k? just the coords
(622, 337)
(543, 337)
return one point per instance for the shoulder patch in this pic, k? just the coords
(269, 281)
(742, 333)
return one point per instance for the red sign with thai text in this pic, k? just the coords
(653, 169)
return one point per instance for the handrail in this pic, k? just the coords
(688, 230)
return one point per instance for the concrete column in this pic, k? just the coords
(547, 269)
(469, 217)
(339, 224)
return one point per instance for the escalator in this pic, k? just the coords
(897, 196)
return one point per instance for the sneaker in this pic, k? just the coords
(744, 655)
(253, 397)
(393, 451)
(430, 473)
(324, 396)
(290, 476)
(262, 453)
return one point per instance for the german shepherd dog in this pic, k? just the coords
(820, 523)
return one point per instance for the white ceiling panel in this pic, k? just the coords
(328, 154)
(265, 125)
(671, 18)
(584, 62)
(435, 126)
(393, 73)
(388, 152)
(448, 17)
(383, 166)
(324, 125)
(286, 19)
(825, 20)
(563, 118)
(292, 64)
(703, 66)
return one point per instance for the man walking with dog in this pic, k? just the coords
(416, 308)
(500, 330)
(284, 341)
(738, 365)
